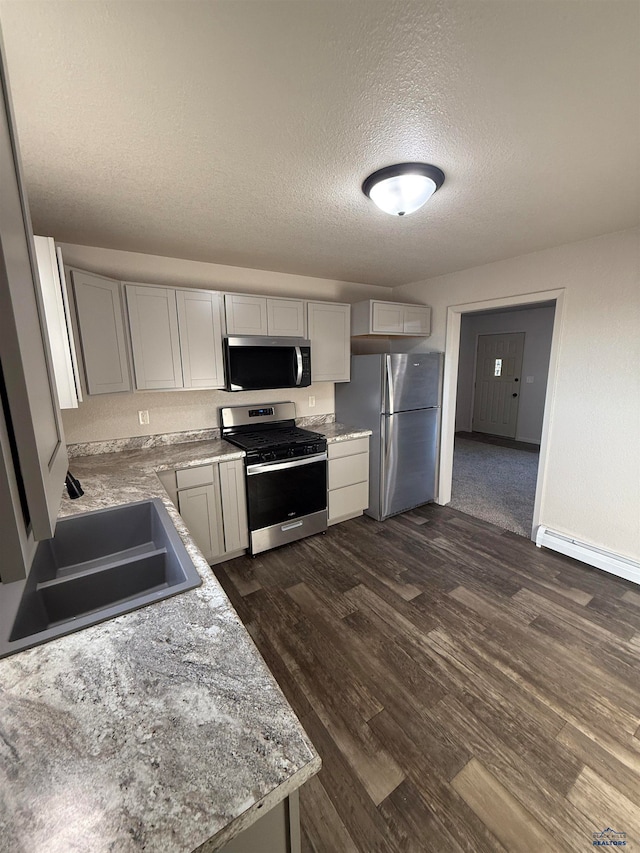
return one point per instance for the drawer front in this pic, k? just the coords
(349, 500)
(348, 470)
(200, 476)
(347, 448)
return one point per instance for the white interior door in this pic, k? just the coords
(497, 387)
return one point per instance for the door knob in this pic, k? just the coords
(514, 394)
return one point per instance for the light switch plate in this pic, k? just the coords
(143, 417)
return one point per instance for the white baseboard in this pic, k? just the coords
(615, 564)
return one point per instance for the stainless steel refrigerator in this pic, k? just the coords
(398, 396)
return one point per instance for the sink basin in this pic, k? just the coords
(98, 565)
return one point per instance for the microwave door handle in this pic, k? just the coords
(299, 365)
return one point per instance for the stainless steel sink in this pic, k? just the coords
(98, 565)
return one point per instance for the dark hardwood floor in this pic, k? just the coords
(466, 690)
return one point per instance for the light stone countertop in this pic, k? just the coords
(339, 432)
(160, 730)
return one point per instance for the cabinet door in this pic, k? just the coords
(285, 318)
(234, 505)
(387, 318)
(277, 831)
(330, 335)
(246, 315)
(347, 470)
(56, 322)
(98, 303)
(417, 320)
(200, 509)
(29, 400)
(200, 338)
(153, 320)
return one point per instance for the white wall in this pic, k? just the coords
(177, 272)
(591, 485)
(537, 324)
(116, 415)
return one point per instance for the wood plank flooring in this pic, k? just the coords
(466, 690)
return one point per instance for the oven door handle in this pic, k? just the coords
(299, 365)
(265, 467)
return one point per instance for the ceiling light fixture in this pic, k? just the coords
(403, 188)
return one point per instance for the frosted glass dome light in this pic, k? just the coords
(403, 188)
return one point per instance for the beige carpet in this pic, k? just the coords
(496, 484)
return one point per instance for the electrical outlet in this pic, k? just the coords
(529, 380)
(312, 401)
(143, 417)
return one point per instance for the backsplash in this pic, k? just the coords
(144, 442)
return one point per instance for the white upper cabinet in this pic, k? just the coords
(417, 320)
(176, 337)
(375, 317)
(245, 315)
(260, 315)
(200, 338)
(329, 333)
(285, 318)
(386, 317)
(155, 342)
(99, 311)
(33, 453)
(53, 289)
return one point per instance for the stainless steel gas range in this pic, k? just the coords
(286, 473)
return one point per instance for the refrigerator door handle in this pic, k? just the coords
(386, 441)
(388, 403)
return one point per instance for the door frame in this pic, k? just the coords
(450, 386)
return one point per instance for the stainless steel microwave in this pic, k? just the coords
(253, 364)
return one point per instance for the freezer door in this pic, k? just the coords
(413, 381)
(409, 459)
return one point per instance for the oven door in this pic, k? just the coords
(286, 500)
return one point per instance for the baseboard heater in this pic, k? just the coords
(623, 567)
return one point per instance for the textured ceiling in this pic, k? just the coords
(240, 132)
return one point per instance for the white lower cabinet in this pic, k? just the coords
(200, 508)
(212, 501)
(348, 478)
(233, 495)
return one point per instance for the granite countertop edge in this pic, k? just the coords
(189, 659)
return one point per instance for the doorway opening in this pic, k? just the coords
(498, 391)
